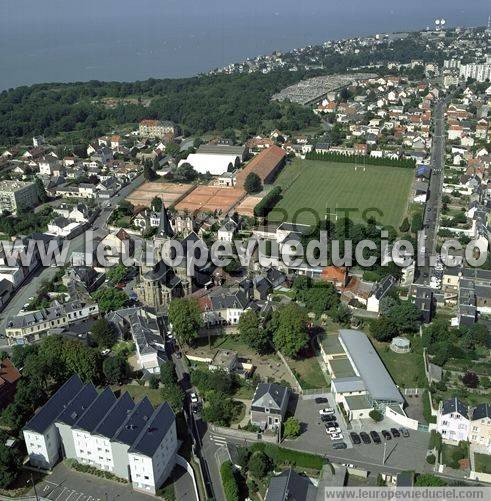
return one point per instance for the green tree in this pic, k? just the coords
(174, 395)
(428, 480)
(115, 369)
(383, 329)
(292, 428)
(289, 324)
(103, 333)
(148, 172)
(168, 373)
(405, 316)
(41, 191)
(109, 299)
(117, 273)
(185, 173)
(252, 183)
(153, 382)
(185, 317)
(252, 333)
(219, 409)
(10, 462)
(376, 415)
(259, 464)
(156, 204)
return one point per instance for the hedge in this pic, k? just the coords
(264, 207)
(280, 455)
(230, 487)
(427, 408)
(85, 468)
(407, 163)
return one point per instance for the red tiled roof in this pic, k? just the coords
(262, 164)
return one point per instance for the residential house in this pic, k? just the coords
(453, 421)
(9, 376)
(269, 404)
(480, 427)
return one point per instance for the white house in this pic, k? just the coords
(453, 420)
(379, 292)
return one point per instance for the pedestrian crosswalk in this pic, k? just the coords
(218, 440)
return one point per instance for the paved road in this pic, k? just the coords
(77, 244)
(433, 204)
(183, 485)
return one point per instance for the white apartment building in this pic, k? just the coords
(480, 72)
(16, 196)
(132, 441)
(453, 421)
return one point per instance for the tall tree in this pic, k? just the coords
(252, 183)
(185, 317)
(252, 333)
(289, 325)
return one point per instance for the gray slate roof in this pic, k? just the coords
(369, 366)
(46, 416)
(455, 405)
(269, 395)
(481, 411)
(291, 486)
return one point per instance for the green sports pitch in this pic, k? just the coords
(312, 188)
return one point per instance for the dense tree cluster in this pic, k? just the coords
(198, 104)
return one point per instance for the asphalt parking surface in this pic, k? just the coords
(64, 484)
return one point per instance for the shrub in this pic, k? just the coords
(292, 428)
(259, 464)
(431, 459)
(230, 487)
(280, 455)
(85, 468)
(376, 415)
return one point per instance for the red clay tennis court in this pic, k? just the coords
(170, 193)
(211, 198)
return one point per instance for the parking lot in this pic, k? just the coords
(68, 485)
(398, 453)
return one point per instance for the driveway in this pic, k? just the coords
(65, 484)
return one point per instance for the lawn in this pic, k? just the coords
(482, 463)
(308, 373)
(316, 185)
(137, 392)
(406, 369)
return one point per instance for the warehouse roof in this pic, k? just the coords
(370, 368)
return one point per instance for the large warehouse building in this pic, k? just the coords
(360, 381)
(266, 165)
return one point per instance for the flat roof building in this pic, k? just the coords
(16, 196)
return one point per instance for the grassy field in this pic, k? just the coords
(483, 463)
(316, 185)
(406, 369)
(138, 392)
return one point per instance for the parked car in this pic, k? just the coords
(395, 432)
(105, 352)
(332, 429)
(328, 417)
(386, 435)
(405, 432)
(375, 437)
(321, 400)
(336, 436)
(194, 398)
(355, 438)
(366, 439)
(326, 411)
(339, 445)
